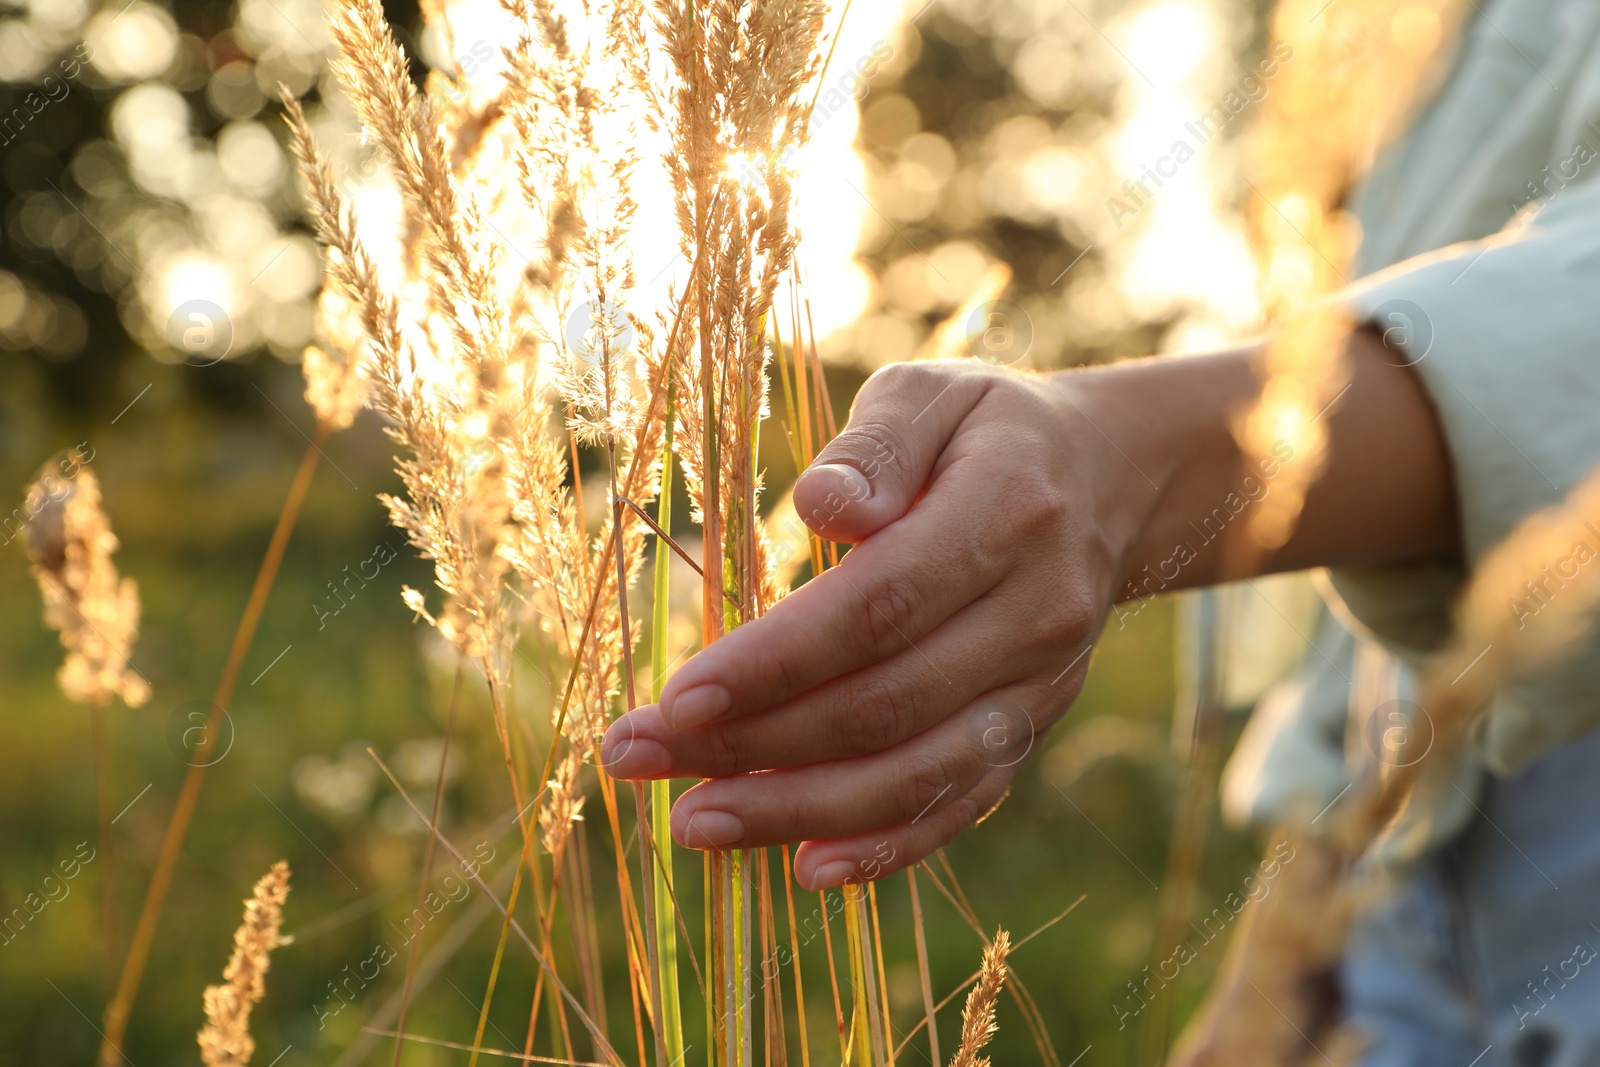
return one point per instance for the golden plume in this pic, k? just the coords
(70, 544)
(225, 1039)
(977, 1017)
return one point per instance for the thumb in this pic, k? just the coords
(874, 471)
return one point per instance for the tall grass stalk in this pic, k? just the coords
(928, 1020)
(923, 975)
(846, 1038)
(776, 1050)
(100, 754)
(526, 861)
(1191, 820)
(866, 1040)
(144, 931)
(380, 1022)
(794, 948)
(885, 1029)
(661, 791)
(647, 867)
(427, 854)
(539, 958)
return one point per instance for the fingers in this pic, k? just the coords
(884, 598)
(867, 857)
(871, 474)
(909, 783)
(982, 647)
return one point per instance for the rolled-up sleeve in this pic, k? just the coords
(1505, 336)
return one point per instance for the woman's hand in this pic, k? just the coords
(883, 707)
(891, 699)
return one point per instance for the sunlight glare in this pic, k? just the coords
(1173, 238)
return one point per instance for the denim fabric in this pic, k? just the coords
(1489, 952)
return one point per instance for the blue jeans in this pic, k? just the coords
(1489, 953)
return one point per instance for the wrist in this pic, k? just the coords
(1157, 436)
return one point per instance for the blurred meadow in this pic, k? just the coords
(156, 174)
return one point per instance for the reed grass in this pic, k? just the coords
(500, 381)
(498, 384)
(93, 609)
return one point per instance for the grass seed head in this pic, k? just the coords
(96, 612)
(225, 1039)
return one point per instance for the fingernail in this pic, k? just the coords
(831, 874)
(713, 829)
(698, 706)
(850, 483)
(634, 757)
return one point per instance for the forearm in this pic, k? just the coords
(1184, 491)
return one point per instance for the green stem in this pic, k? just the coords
(661, 791)
(861, 1013)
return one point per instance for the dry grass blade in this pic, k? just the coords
(429, 967)
(794, 946)
(1031, 1015)
(225, 1040)
(544, 964)
(144, 931)
(427, 859)
(418, 1039)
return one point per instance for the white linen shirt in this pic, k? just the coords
(1481, 249)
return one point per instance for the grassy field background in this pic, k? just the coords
(194, 464)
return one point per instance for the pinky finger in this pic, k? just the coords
(868, 857)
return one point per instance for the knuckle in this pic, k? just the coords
(1062, 614)
(1031, 500)
(724, 751)
(891, 610)
(1073, 614)
(884, 450)
(899, 378)
(880, 716)
(775, 665)
(872, 445)
(963, 812)
(925, 781)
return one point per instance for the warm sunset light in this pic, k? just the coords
(793, 533)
